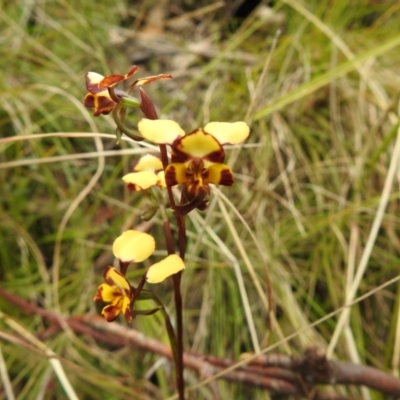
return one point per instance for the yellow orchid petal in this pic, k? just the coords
(142, 180)
(161, 131)
(112, 277)
(219, 174)
(175, 174)
(165, 268)
(134, 246)
(161, 179)
(228, 132)
(197, 144)
(126, 308)
(148, 163)
(106, 293)
(146, 174)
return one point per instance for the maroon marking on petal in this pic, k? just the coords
(128, 314)
(178, 156)
(106, 271)
(133, 188)
(89, 100)
(110, 313)
(111, 80)
(170, 176)
(92, 87)
(107, 279)
(216, 156)
(132, 71)
(104, 105)
(99, 111)
(98, 296)
(226, 178)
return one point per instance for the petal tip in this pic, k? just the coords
(228, 132)
(169, 266)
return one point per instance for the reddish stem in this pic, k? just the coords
(176, 279)
(150, 112)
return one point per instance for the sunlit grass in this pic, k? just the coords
(315, 203)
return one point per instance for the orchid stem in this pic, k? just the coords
(170, 329)
(176, 281)
(123, 128)
(150, 112)
(179, 334)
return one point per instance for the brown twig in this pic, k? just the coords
(279, 374)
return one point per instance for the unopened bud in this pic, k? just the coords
(147, 105)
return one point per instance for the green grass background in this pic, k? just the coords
(315, 203)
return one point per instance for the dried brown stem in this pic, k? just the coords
(279, 374)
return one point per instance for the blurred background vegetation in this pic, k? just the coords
(316, 199)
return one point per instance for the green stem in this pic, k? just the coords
(168, 324)
(122, 127)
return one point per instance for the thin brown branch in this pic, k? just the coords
(314, 368)
(279, 374)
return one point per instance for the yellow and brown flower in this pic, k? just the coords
(98, 98)
(118, 292)
(104, 100)
(132, 246)
(197, 157)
